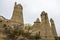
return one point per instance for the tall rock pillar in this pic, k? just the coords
(53, 27)
(18, 13)
(46, 32)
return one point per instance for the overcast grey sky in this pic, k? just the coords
(32, 10)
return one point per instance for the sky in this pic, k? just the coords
(32, 10)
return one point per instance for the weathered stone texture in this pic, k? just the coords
(47, 30)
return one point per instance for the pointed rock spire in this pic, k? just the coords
(15, 3)
(37, 20)
(43, 12)
(51, 20)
